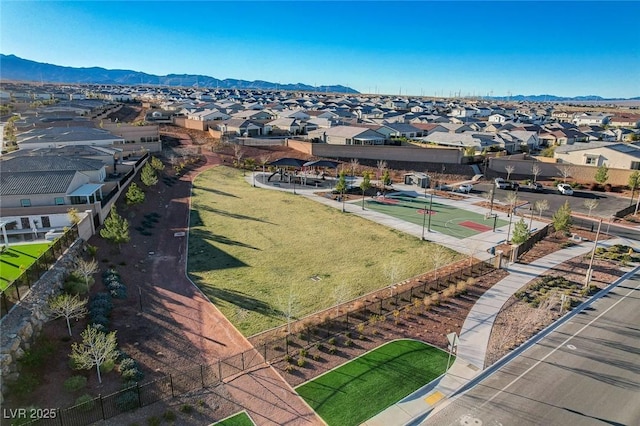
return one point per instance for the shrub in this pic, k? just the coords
(102, 303)
(461, 287)
(332, 350)
(301, 361)
(132, 374)
(303, 352)
(129, 384)
(316, 356)
(127, 400)
(449, 291)
(289, 368)
(85, 402)
(435, 299)
(332, 341)
(26, 383)
(153, 421)
(107, 366)
(75, 383)
(319, 346)
(186, 408)
(99, 318)
(127, 363)
(348, 342)
(287, 358)
(74, 286)
(169, 416)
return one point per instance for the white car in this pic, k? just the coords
(565, 189)
(465, 187)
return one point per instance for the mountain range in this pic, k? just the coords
(19, 69)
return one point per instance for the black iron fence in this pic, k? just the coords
(269, 346)
(19, 288)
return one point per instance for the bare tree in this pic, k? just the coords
(341, 293)
(440, 256)
(354, 166)
(565, 171)
(509, 168)
(381, 165)
(512, 200)
(541, 205)
(264, 159)
(591, 204)
(67, 306)
(86, 268)
(238, 154)
(535, 171)
(289, 304)
(96, 349)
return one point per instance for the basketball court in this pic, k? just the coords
(443, 218)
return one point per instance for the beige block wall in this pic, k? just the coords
(577, 173)
(190, 124)
(375, 152)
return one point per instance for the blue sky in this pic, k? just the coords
(409, 48)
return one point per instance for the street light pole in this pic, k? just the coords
(587, 278)
(510, 220)
(425, 213)
(430, 206)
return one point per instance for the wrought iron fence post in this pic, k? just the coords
(139, 398)
(102, 407)
(347, 320)
(202, 374)
(60, 417)
(171, 384)
(242, 357)
(265, 352)
(219, 370)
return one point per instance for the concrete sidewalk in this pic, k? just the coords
(474, 338)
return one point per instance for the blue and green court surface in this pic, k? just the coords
(438, 217)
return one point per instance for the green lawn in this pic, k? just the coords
(445, 219)
(259, 254)
(240, 419)
(16, 259)
(366, 386)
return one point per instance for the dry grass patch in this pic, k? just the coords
(262, 256)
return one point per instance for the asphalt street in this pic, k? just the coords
(586, 372)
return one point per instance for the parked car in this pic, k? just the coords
(465, 187)
(505, 184)
(535, 186)
(501, 183)
(565, 189)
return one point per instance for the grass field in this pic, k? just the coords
(240, 419)
(260, 254)
(360, 389)
(444, 218)
(16, 259)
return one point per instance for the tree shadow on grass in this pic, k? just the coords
(228, 214)
(215, 191)
(240, 300)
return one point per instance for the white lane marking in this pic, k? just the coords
(573, 348)
(559, 346)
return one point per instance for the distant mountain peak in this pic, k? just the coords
(16, 68)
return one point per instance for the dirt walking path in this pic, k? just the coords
(266, 396)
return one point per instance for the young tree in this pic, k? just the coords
(264, 159)
(134, 195)
(535, 171)
(440, 256)
(73, 215)
(565, 172)
(562, 218)
(634, 183)
(512, 200)
(365, 185)
(509, 168)
(386, 178)
(67, 306)
(96, 349)
(354, 166)
(289, 306)
(541, 206)
(520, 232)
(148, 175)
(116, 228)
(470, 151)
(157, 164)
(591, 204)
(602, 174)
(341, 186)
(86, 268)
(238, 154)
(381, 166)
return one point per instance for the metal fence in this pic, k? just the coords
(19, 288)
(270, 346)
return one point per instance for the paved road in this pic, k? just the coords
(607, 203)
(587, 372)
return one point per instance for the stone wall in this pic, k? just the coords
(22, 325)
